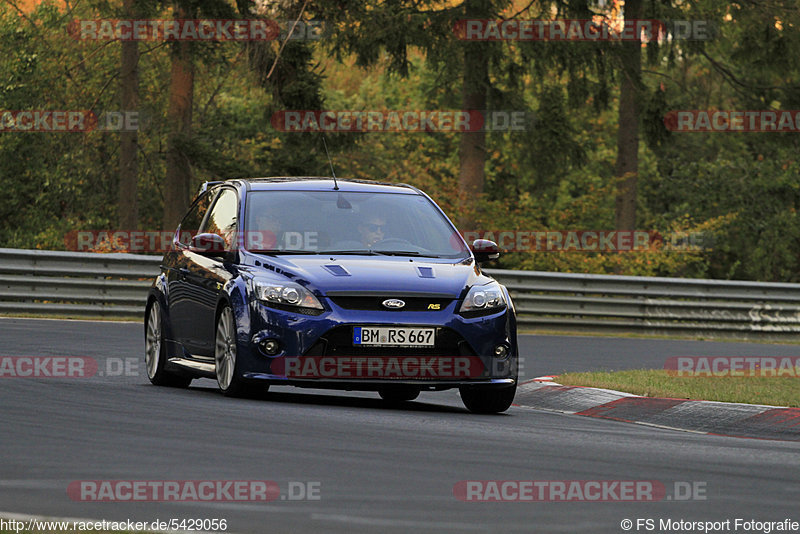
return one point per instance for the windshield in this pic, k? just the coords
(321, 222)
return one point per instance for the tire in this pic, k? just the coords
(399, 393)
(229, 379)
(155, 352)
(487, 399)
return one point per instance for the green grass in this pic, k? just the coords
(685, 336)
(775, 391)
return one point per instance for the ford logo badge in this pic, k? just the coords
(393, 304)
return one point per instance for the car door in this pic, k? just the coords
(177, 262)
(205, 275)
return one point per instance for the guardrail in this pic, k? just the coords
(654, 305)
(76, 284)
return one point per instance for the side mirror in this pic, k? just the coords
(211, 245)
(485, 250)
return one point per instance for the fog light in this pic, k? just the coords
(270, 347)
(501, 351)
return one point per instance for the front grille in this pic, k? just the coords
(376, 303)
(339, 342)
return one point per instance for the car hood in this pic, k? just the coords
(390, 274)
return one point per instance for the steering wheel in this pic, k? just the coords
(392, 243)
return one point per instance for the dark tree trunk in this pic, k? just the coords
(127, 204)
(472, 149)
(177, 186)
(627, 168)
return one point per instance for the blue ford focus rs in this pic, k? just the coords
(346, 284)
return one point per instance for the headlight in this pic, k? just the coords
(286, 293)
(484, 298)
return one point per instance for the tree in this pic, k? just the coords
(627, 167)
(178, 179)
(475, 86)
(127, 203)
(367, 28)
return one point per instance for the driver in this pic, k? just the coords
(267, 233)
(372, 230)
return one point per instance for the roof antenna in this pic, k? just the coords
(335, 183)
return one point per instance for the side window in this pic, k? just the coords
(222, 219)
(190, 225)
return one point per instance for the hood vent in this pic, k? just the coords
(337, 270)
(425, 272)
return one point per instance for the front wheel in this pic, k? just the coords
(229, 380)
(487, 399)
(155, 352)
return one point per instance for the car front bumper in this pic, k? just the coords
(328, 336)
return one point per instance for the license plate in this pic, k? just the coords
(382, 336)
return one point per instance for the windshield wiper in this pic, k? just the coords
(364, 252)
(275, 251)
(404, 253)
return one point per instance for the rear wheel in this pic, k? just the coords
(155, 353)
(487, 399)
(399, 393)
(230, 382)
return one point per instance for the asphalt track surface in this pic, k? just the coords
(378, 468)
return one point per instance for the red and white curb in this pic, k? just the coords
(706, 417)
